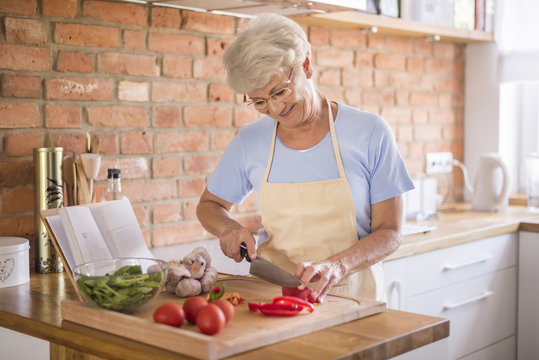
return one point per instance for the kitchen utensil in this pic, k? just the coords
(267, 271)
(83, 191)
(91, 163)
(94, 144)
(69, 179)
(491, 186)
(75, 186)
(88, 142)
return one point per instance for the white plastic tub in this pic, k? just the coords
(14, 261)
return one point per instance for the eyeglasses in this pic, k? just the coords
(262, 104)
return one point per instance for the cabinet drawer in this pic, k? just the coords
(436, 269)
(481, 310)
(503, 350)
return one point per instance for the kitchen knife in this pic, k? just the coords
(267, 271)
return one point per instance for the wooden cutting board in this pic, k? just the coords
(246, 331)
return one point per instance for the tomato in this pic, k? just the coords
(226, 307)
(210, 319)
(191, 306)
(169, 314)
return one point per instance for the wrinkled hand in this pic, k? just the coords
(326, 273)
(230, 243)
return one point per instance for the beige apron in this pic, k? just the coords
(312, 221)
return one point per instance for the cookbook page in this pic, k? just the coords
(120, 228)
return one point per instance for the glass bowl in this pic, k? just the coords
(121, 284)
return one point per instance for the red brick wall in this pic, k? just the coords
(149, 82)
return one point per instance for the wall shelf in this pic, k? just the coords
(395, 26)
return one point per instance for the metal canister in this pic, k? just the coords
(48, 194)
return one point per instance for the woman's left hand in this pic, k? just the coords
(327, 273)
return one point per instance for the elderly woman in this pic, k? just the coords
(329, 177)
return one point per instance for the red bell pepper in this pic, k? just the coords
(280, 309)
(294, 300)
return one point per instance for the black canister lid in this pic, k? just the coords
(114, 173)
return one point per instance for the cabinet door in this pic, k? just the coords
(15, 346)
(528, 296)
(394, 277)
(503, 350)
(481, 310)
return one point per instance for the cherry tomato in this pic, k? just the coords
(210, 319)
(191, 306)
(226, 307)
(169, 314)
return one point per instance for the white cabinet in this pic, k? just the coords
(528, 296)
(474, 285)
(18, 346)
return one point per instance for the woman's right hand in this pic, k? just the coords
(231, 240)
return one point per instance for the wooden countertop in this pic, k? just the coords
(34, 309)
(458, 224)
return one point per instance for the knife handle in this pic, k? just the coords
(244, 253)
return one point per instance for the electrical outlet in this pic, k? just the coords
(439, 163)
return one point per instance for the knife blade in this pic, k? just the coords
(268, 271)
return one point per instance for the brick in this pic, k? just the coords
(423, 48)
(198, 164)
(62, 116)
(189, 209)
(318, 36)
(414, 64)
(178, 92)
(382, 78)
(209, 69)
(166, 117)
(74, 61)
(59, 8)
(87, 35)
(18, 116)
(167, 212)
(442, 116)
(71, 142)
(136, 142)
(376, 41)
(332, 57)
(29, 58)
(132, 168)
(448, 84)
(364, 59)
(348, 38)
(378, 97)
(402, 97)
(166, 17)
(16, 173)
(329, 77)
(444, 50)
(397, 115)
(16, 200)
(390, 61)
(21, 86)
(133, 91)
(17, 225)
(434, 66)
(150, 190)
(399, 44)
(108, 143)
(221, 138)
(23, 144)
(142, 215)
(420, 116)
(214, 116)
(125, 13)
(117, 116)
(405, 133)
(19, 7)
(451, 100)
(28, 31)
(208, 23)
(245, 115)
(428, 133)
(190, 187)
(220, 93)
(405, 80)
(453, 133)
(79, 89)
(357, 77)
(166, 166)
(177, 67)
(176, 234)
(423, 99)
(134, 40)
(217, 47)
(180, 141)
(129, 64)
(181, 44)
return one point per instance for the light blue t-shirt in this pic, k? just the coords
(372, 163)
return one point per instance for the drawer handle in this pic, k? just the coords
(467, 263)
(484, 295)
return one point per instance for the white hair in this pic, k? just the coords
(269, 45)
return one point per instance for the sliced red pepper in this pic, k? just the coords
(279, 309)
(294, 300)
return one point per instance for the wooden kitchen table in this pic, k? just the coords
(34, 309)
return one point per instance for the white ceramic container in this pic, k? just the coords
(14, 261)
